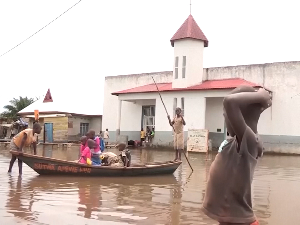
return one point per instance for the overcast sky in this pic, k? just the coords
(104, 38)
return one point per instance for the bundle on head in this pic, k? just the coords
(121, 146)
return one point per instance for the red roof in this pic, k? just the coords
(48, 97)
(189, 29)
(206, 85)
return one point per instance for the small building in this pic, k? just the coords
(132, 102)
(62, 122)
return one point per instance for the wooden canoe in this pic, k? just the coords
(50, 166)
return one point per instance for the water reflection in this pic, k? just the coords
(173, 200)
(14, 202)
(89, 198)
(133, 195)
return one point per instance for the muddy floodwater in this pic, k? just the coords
(173, 199)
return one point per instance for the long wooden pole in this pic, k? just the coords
(172, 125)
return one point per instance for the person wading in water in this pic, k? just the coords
(228, 197)
(177, 123)
(24, 138)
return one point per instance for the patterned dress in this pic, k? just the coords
(178, 134)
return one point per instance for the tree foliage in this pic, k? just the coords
(16, 105)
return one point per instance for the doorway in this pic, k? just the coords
(48, 132)
(148, 117)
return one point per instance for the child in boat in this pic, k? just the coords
(24, 138)
(96, 152)
(83, 141)
(228, 197)
(125, 155)
(86, 155)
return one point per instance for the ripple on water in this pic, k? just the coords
(157, 200)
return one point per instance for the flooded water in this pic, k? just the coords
(174, 199)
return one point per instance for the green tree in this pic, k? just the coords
(16, 105)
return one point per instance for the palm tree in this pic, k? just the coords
(15, 106)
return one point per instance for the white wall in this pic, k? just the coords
(118, 83)
(193, 50)
(283, 80)
(214, 118)
(94, 124)
(195, 108)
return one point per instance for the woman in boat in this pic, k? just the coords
(24, 138)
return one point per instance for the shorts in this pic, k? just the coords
(13, 146)
(178, 141)
(142, 139)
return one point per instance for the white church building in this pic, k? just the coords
(131, 102)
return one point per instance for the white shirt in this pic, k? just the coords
(106, 134)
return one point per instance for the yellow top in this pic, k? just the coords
(29, 140)
(143, 134)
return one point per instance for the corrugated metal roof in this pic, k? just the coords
(206, 85)
(189, 29)
(47, 115)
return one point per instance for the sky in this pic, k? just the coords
(96, 38)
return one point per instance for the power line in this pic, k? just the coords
(40, 29)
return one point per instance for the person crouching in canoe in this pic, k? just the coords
(125, 155)
(24, 138)
(111, 159)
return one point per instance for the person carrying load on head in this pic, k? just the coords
(228, 197)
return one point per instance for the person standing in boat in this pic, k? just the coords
(178, 123)
(24, 139)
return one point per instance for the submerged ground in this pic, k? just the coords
(174, 199)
